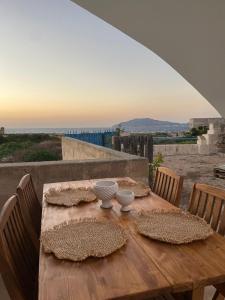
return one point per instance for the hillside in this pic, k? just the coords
(151, 125)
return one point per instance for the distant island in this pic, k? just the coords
(151, 125)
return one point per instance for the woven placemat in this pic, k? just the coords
(139, 188)
(69, 197)
(80, 239)
(175, 227)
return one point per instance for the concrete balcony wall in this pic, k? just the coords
(107, 164)
(73, 149)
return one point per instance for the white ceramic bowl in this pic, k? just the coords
(125, 198)
(105, 190)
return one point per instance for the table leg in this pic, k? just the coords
(197, 294)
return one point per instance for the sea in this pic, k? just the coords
(56, 130)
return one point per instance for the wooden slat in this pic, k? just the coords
(209, 208)
(18, 255)
(29, 202)
(202, 204)
(216, 213)
(168, 185)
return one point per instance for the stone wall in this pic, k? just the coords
(47, 172)
(176, 149)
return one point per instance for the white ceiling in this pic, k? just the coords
(187, 34)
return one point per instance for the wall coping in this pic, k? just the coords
(68, 162)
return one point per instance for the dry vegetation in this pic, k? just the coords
(30, 147)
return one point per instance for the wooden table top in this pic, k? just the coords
(142, 268)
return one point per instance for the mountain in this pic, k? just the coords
(151, 125)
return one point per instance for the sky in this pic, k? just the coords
(61, 66)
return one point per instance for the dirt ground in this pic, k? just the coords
(195, 168)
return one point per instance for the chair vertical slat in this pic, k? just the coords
(196, 196)
(156, 181)
(168, 185)
(21, 239)
(202, 204)
(173, 193)
(165, 196)
(160, 175)
(18, 254)
(209, 208)
(162, 185)
(170, 191)
(216, 213)
(30, 206)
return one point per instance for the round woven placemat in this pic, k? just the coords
(175, 227)
(139, 188)
(78, 240)
(69, 197)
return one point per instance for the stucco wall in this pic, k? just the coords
(176, 149)
(46, 172)
(73, 149)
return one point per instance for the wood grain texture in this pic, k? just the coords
(18, 255)
(141, 269)
(29, 202)
(208, 202)
(168, 185)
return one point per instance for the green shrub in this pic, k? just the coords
(40, 155)
(157, 161)
(7, 149)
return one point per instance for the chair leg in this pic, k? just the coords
(217, 296)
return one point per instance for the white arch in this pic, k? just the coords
(187, 34)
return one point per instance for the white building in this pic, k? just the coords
(197, 122)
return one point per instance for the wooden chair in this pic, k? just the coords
(168, 185)
(29, 202)
(208, 202)
(18, 255)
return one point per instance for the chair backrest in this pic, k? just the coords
(168, 185)
(29, 202)
(18, 255)
(208, 202)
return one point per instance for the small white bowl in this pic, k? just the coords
(105, 190)
(125, 198)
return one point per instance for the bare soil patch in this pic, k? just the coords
(195, 168)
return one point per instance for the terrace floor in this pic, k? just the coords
(195, 168)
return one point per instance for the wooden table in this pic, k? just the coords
(141, 269)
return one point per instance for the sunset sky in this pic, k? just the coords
(60, 66)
